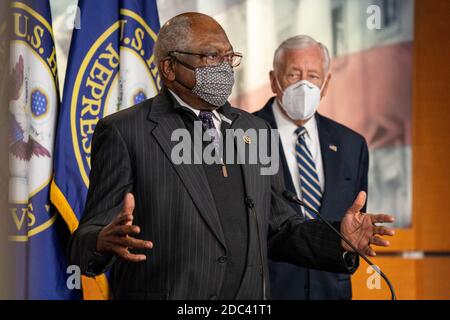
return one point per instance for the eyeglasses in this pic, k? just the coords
(212, 59)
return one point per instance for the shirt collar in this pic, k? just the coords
(195, 111)
(311, 127)
(284, 121)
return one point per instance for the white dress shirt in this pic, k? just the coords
(286, 129)
(216, 116)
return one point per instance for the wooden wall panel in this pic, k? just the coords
(433, 278)
(401, 272)
(431, 125)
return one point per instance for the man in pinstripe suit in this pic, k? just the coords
(212, 226)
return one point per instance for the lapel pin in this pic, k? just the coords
(247, 139)
(333, 147)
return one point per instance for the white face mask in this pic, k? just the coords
(300, 100)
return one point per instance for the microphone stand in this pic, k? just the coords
(293, 198)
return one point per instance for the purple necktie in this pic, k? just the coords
(208, 124)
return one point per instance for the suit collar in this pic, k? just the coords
(166, 104)
(267, 113)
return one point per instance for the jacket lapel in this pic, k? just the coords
(249, 171)
(329, 147)
(193, 176)
(267, 114)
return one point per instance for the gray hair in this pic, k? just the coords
(174, 35)
(302, 42)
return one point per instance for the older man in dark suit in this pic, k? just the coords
(210, 227)
(324, 162)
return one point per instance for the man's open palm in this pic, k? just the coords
(361, 229)
(115, 237)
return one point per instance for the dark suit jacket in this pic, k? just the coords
(345, 175)
(131, 152)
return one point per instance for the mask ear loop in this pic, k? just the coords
(324, 83)
(184, 64)
(281, 90)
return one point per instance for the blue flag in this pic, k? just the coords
(41, 260)
(111, 67)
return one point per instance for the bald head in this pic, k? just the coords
(183, 32)
(183, 45)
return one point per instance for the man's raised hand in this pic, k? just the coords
(115, 237)
(361, 229)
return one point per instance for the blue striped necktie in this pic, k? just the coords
(309, 180)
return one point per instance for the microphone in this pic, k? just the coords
(292, 197)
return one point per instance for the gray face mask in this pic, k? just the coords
(214, 84)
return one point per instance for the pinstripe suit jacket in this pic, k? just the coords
(131, 152)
